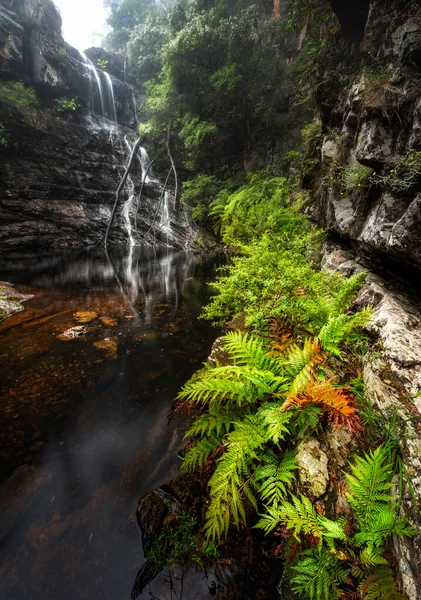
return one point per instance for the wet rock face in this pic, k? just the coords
(59, 173)
(393, 381)
(374, 120)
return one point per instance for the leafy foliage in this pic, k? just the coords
(346, 557)
(20, 97)
(245, 408)
(67, 105)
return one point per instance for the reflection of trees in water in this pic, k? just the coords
(141, 275)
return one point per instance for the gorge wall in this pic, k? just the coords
(369, 93)
(59, 169)
(367, 189)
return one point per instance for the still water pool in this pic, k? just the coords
(84, 429)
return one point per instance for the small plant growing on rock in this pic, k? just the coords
(102, 63)
(356, 176)
(405, 175)
(23, 98)
(62, 54)
(67, 105)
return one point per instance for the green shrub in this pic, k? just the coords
(200, 194)
(3, 141)
(102, 63)
(257, 208)
(62, 54)
(20, 97)
(405, 175)
(356, 176)
(274, 277)
(67, 105)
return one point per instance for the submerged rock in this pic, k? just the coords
(85, 316)
(72, 333)
(10, 300)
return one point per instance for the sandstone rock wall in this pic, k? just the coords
(369, 94)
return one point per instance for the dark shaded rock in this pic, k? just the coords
(150, 513)
(370, 101)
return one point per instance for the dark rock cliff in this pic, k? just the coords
(369, 93)
(59, 169)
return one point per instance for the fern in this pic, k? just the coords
(230, 475)
(197, 456)
(334, 401)
(380, 585)
(274, 421)
(277, 475)
(332, 334)
(346, 294)
(300, 517)
(248, 350)
(301, 363)
(370, 485)
(319, 577)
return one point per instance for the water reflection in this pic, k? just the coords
(84, 430)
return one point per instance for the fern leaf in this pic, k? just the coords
(332, 334)
(347, 293)
(318, 577)
(300, 517)
(380, 585)
(338, 404)
(230, 476)
(301, 362)
(370, 485)
(248, 350)
(277, 475)
(197, 456)
(274, 421)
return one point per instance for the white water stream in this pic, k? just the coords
(103, 116)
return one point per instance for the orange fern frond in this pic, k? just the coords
(335, 402)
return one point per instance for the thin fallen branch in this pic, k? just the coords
(120, 187)
(141, 189)
(173, 167)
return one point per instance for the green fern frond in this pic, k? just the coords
(198, 455)
(347, 292)
(214, 422)
(333, 333)
(274, 421)
(319, 577)
(380, 585)
(248, 350)
(300, 517)
(383, 526)
(301, 362)
(370, 485)
(269, 520)
(277, 475)
(229, 478)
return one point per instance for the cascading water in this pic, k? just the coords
(164, 222)
(93, 79)
(102, 107)
(110, 97)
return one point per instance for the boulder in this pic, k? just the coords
(313, 471)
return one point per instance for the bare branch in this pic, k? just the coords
(120, 187)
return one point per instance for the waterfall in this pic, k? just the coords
(164, 222)
(110, 97)
(93, 78)
(126, 210)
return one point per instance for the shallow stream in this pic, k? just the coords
(84, 429)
